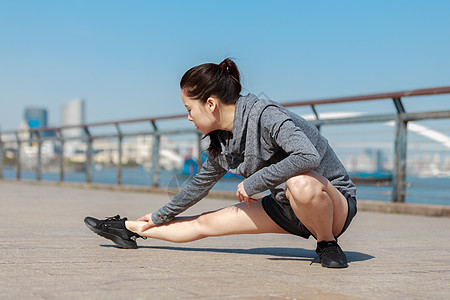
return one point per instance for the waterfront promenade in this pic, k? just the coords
(46, 252)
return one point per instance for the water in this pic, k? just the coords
(133, 177)
(422, 190)
(425, 190)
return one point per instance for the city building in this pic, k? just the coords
(73, 113)
(36, 117)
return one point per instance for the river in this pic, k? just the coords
(425, 190)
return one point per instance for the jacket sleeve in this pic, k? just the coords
(192, 193)
(302, 156)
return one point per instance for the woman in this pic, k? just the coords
(272, 148)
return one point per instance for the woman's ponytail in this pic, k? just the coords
(219, 80)
(229, 66)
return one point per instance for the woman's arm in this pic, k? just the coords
(193, 192)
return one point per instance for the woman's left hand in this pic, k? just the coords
(242, 195)
(147, 218)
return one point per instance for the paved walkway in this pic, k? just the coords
(46, 252)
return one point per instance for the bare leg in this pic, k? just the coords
(236, 219)
(317, 204)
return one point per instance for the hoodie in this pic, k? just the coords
(268, 145)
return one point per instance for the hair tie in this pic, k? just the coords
(223, 66)
(228, 69)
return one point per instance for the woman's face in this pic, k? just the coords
(201, 114)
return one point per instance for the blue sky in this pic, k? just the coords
(125, 58)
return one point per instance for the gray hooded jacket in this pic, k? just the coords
(268, 145)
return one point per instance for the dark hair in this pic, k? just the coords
(219, 80)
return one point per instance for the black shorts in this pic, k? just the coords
(284, 216)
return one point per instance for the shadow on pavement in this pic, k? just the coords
(280, 253)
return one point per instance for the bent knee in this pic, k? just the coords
(304, 188)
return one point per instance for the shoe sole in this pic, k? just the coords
(117, 240)
(336, 266)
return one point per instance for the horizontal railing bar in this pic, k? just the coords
(444, 114)
(331, 121)
(418, 195)
(384, 118)
(431, 186)
(359, 119)
(113, 135)
(165, 132)
(109, 123)
(410, 93)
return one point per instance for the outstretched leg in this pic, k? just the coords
(236, 219)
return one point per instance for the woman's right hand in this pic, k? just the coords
(242, 196)
(147, 218)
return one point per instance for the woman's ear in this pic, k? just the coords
(211, 103)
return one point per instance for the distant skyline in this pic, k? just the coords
(125, 58)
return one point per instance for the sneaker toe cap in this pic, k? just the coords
(91, 221)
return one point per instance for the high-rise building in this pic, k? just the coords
(73, 113)
(36, 117)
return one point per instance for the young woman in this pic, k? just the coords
(272, 148)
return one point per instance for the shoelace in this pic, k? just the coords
(133, 237)
(318, 256)
(314, 259)
(115, 218)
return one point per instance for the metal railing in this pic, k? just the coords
(36, 135)
(401, 118)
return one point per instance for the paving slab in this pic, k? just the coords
(46, 252)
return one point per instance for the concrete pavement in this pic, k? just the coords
(46, 252)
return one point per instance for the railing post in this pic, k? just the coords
(18, 166)
(155, 155)
(1, 156)
(313, 107)
(88, 163)
(400, 146)
(199, 154)
(61, 156)
(39, 157)
(119, 163)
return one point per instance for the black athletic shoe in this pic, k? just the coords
(113, 228)
(331, 255)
